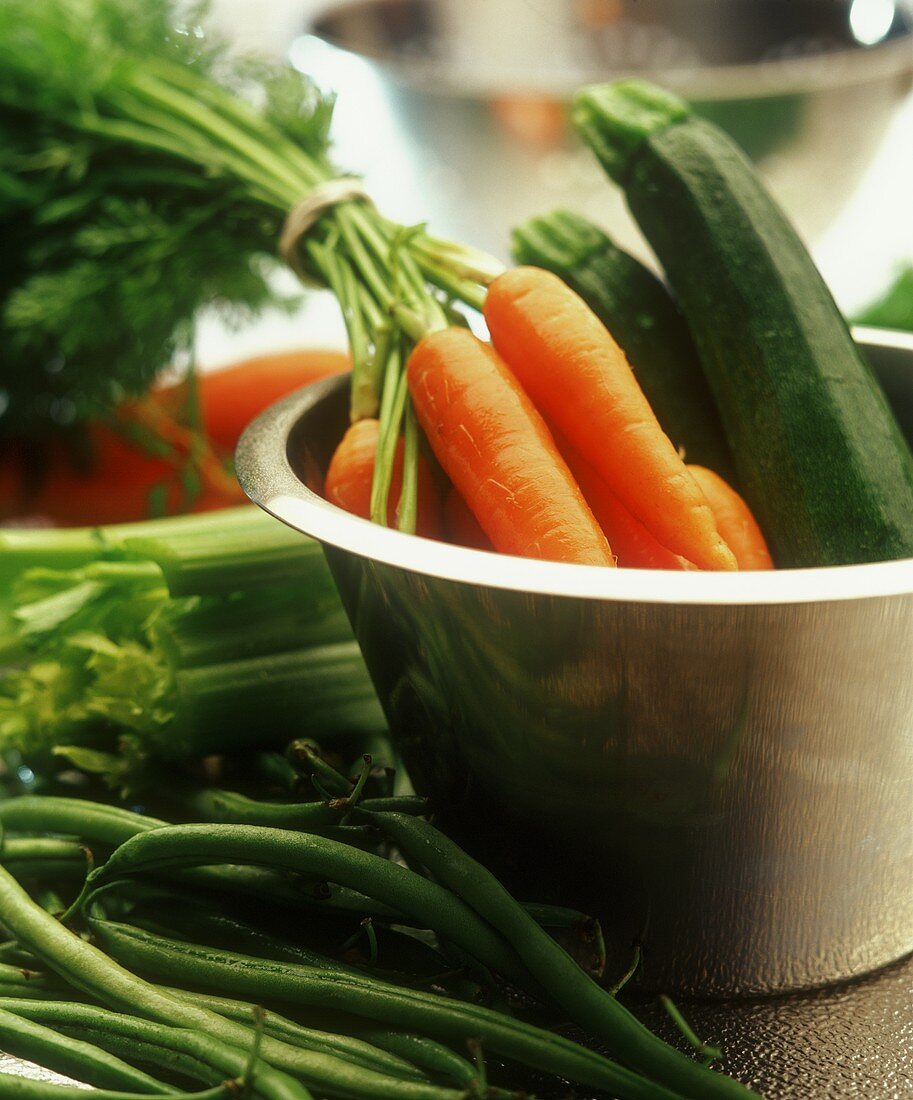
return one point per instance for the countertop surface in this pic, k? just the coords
(842, 1043)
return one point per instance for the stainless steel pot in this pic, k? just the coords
(721, 766)
(468, 97)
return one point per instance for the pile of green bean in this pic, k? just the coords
(205, 959)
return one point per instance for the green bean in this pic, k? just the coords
(50, 900)
(126, 1036)
(43, 857)
(334, 898)
(427, 1054)
(87, 968)
(14, 1087)
(289, 1056)
(214, 805)
(358, 1051)
(191, 918)
(587, 928)
(177, 1064)
(274, 767)
(193, 845)
(27, 1038)
(401, 803)
(283, 889)
(228, 932)
(218, 805)
(293, 892)
(93, 1025)
(308, 759)
(20, 977)
(219, 1058)
(43, 993)
(448, 1021)
(585, 1002)
(14, 954)
(15, 849)
(93, 821)
(110, 826)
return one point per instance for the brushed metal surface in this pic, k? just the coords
(720, 766)
(805, 86)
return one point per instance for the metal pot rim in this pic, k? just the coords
(268, 478)
(813, 71)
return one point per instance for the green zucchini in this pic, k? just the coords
(819, 455)
(641, 315)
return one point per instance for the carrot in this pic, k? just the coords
(580, 380)
(734, 520)
(461, 526)
(632, 543)
(138, 464)
(230, 398)
(498, 452)
(142, 463)
(351, 471)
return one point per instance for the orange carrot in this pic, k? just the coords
(461, 525)
(116, 481)
(632, 543)
(115, 477)
(580, 380)
(230, 398)
(734, 520)
(351, 471)
(498, 452)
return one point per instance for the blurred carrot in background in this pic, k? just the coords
(230, 398)
(147, 459)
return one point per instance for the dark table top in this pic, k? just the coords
(841, 1043)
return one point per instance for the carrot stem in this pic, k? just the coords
(366, 389)
(390, 421)
(407, 509)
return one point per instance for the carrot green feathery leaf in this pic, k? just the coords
(122, 213)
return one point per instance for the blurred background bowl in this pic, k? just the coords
(720, 766)
(467, 98)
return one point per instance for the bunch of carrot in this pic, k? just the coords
(167, 453)
(550, 446)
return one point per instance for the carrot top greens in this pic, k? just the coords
(121, 214)
(143, 174)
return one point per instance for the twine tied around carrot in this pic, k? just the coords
(305, 213)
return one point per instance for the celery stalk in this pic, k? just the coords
(171, 640)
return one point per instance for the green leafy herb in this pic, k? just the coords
(894, 309)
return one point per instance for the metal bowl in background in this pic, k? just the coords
(719, 765)
(456, 109)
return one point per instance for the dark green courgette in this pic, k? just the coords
(819, 455)
(641, 315)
